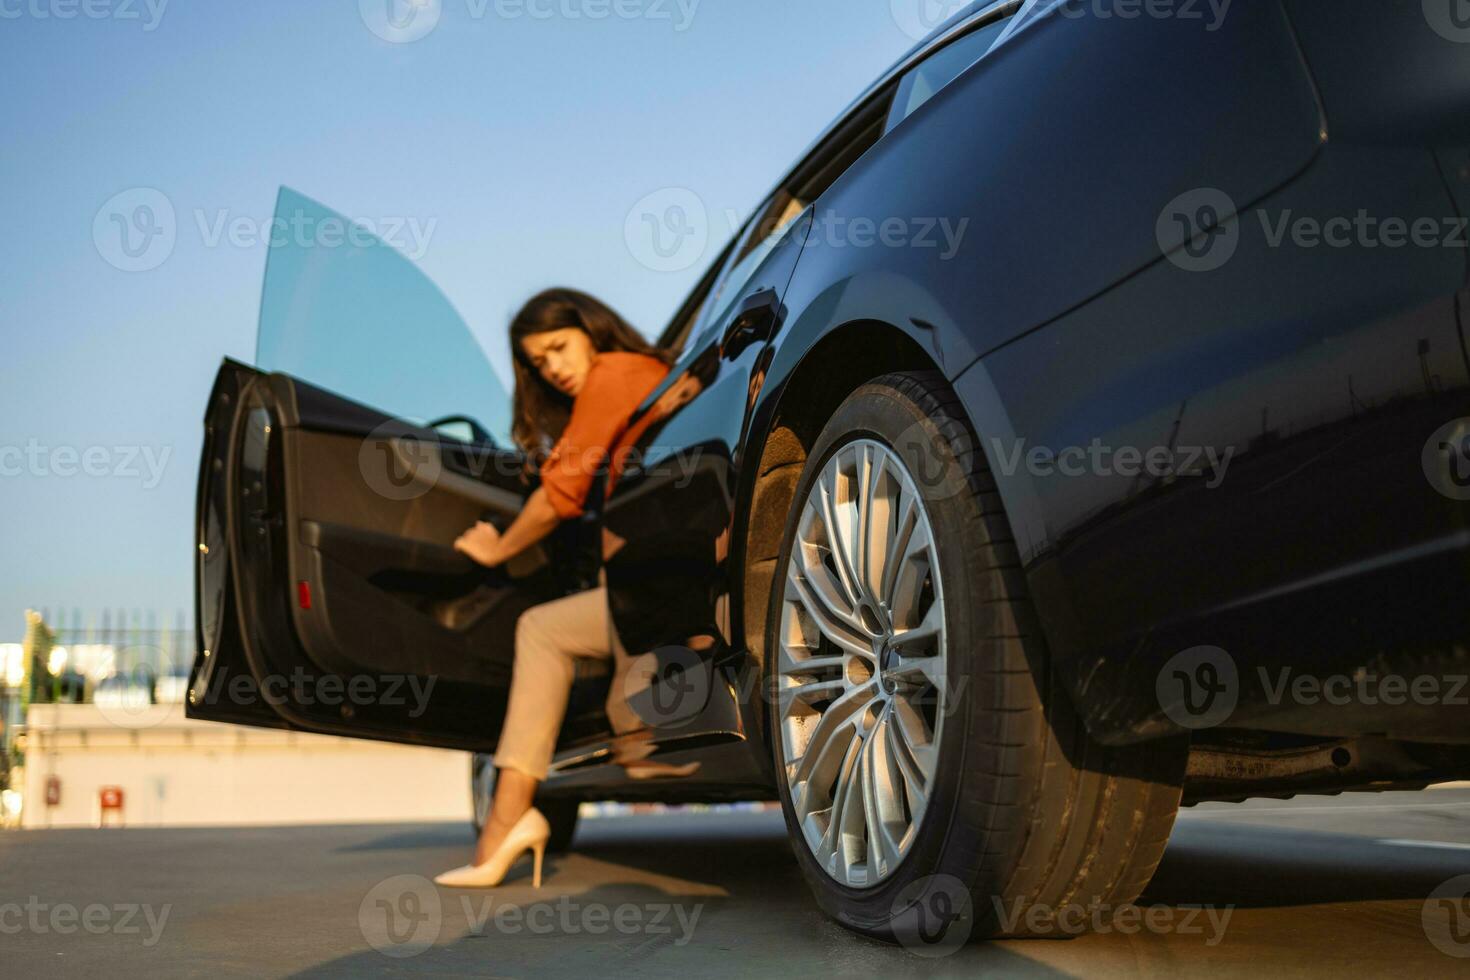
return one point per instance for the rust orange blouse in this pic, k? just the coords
(598, 429)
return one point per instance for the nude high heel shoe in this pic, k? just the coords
(529, 833)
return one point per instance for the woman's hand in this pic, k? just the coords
(482, 543)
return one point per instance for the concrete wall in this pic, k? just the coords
(178, 772)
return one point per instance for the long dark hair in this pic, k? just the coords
(540, 412)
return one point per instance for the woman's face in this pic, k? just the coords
(562, 356)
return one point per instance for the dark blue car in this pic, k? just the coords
(1078, 430)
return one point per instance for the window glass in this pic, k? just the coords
(925, 80)
(344, 311)
(761, 236)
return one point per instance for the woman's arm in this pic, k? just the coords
(490, 547)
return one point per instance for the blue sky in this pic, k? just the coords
(518, 134)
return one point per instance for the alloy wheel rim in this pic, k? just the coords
(861, 671)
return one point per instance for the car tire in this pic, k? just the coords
(1025, 821)
(561, 814)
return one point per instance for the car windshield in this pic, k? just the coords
(345, 311)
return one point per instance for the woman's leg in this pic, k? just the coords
(548, 639)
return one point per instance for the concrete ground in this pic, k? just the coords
(1312, 887)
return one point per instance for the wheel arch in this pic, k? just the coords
(789, 414)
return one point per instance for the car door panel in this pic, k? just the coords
(340, 584)
(330, 596)
(671, 513)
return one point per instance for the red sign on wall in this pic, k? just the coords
(53, 791)
(111, 797)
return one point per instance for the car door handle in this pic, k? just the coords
(753, 322)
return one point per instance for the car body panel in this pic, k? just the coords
(1053, 261)
(1318, 373)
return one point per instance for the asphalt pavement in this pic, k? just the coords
(1353, 885)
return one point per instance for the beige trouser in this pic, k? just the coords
(549, 638)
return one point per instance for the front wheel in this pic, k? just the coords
(926, 759)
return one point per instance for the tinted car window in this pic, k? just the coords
(345, 311)
(925, 80)
(762, 235)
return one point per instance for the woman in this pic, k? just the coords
(580, 372)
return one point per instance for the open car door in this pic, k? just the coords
(329, 597)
